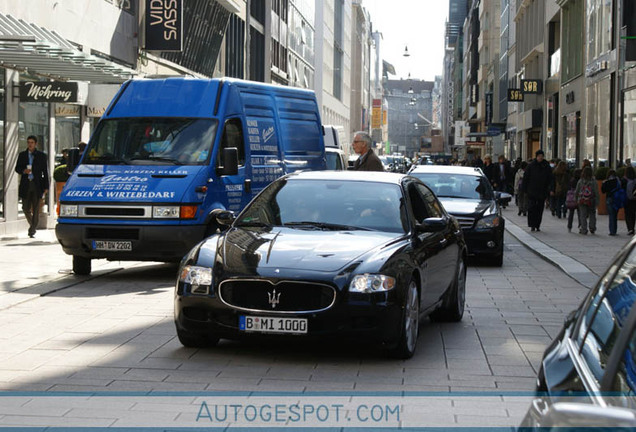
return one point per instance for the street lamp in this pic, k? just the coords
(406, 51)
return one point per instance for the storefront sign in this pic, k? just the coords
(596, 68)
(99, 97)
(515, 95)
(67, 110)
(48, 91)
(164, 25)
(475, 143)
(530, 86)
(489, 101)
(376, 118)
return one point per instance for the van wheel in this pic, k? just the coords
(190, 340)
(81, 265)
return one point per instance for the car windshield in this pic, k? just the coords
(330, 205)
(450, 185)
(152, 141)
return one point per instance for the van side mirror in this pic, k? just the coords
(229, 162)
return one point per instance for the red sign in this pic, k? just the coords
(377, 103)
(475, 143)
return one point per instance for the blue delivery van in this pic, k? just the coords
(170, 155)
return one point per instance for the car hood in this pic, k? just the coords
(247, 249)
(467, 207)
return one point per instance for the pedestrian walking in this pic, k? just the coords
(570, 200)
(587, 196)
(561, 186)
(502, 175)
(32, 165)
(368, 160)
(629, 184)
(615, 198)
(520, 195)
(489, 170)
(536, 184)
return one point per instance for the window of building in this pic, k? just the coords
(572, 47)
(257, 11)
(597, 140)
(599, 28)
(257, 55)
(234, 47)
(338, 49)
(629, 125)
(2, 159)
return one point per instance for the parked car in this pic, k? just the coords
(321, 254)
(467, 194)
(336, 159)
(588, 374)
(169, 154)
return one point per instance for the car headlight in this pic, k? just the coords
(68, 210)
(368, 283)
(166, 212)
(488, 222)
(199, 279)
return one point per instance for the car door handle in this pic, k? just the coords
(443, 242)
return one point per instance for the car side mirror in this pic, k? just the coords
(503, 198)
(430, 225)
(581, 415)
(351, 168)
(229, 162)
(225, 218)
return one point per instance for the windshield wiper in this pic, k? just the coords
(106, 158)
(158, 158)
(326, 226)
(254, 224)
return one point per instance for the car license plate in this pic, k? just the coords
(108, 245)
(273, 325)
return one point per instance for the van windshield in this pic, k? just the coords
(152, 141)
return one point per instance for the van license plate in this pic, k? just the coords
(273, 325)
(108, 245)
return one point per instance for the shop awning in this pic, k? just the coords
(25, 46)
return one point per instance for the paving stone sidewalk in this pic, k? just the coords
(592, 252)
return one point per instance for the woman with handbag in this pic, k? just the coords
(570, 200)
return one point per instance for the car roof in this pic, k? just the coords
(367, 176)
(447, 169)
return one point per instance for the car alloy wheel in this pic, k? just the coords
(452, 309)
(411, 317)
(405, 347)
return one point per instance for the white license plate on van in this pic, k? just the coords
(273, 325)
(109, 245)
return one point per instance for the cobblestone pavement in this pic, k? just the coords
(115, 332)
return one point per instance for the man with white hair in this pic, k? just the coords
(368, 160)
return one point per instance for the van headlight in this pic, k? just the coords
(166, 212)
(68, 210)
(489, 222)
(199, 279)
(368, 283)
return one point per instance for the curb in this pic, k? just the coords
(573, 268)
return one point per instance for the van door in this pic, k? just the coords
(236, 189)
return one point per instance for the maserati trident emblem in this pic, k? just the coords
(274, 298)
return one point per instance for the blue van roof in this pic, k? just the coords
(180, 96)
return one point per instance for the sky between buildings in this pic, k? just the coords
(420, 24)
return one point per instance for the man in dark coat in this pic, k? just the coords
(503, 176)
(537, 181)
(368, 160)
(32, 165)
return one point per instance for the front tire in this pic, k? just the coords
(81, 265)
(452, 309)
(410, 325)
(190, 340)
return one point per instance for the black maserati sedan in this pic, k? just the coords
(467, 194)
(587, 376)
(326, 254)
